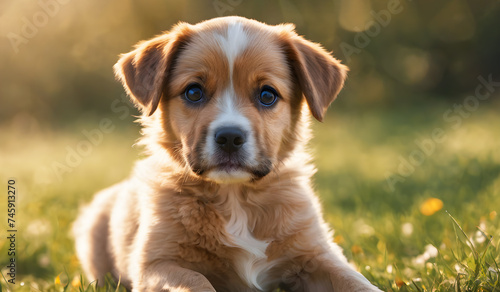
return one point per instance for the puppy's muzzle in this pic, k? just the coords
(229, 139)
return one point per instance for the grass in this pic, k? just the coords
(436, 229)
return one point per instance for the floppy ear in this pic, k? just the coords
(320, 76)
(143, 71)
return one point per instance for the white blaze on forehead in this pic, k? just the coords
(233, 43)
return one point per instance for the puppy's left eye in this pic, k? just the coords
(268, 96)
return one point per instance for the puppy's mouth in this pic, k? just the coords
(230, 157)
(232, 172)
(229, 166)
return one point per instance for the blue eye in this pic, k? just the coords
(268, 96)
(194, 93)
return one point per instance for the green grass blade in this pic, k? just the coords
(6, 282)
(472, 247)
(118, 285)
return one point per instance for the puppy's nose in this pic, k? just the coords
(229, 139)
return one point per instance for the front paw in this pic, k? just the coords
(174, 289)
(317, 277)
(195, 282)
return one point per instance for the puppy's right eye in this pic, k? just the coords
(194, 93)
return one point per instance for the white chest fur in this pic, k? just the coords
(252, 263)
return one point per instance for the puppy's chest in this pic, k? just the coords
(221, 232)
(251, 262)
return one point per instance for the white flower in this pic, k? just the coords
(389, 269)
(38, 228)
(419, 260)
(479, 237)
(459, 269)
(431, 251)
(363, 228)
(407, 228)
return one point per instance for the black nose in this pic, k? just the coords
(229, 139)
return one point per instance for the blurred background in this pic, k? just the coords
(56, 57)
(415, 132)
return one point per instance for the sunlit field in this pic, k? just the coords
(408, 158)
(397, 230)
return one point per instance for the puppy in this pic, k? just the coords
(223, 202)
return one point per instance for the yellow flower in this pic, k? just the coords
(75, 282)
(57, 280)
(431, 206)
(356, 249)
(399, 282)
(339, 239)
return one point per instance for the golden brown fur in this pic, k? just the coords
(184, 220)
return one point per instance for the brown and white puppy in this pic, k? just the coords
(223, 202)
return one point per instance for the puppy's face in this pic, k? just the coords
(231, 101)
(230, 92)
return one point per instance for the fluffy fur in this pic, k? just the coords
(194, 218)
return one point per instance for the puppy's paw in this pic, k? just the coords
(192, 283)
(174, 289)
